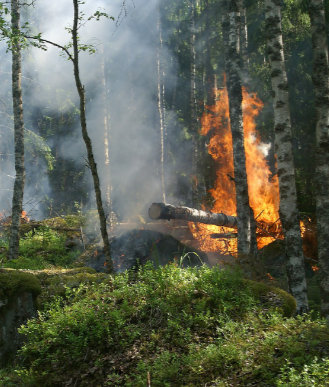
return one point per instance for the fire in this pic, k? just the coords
(263, 185)
(24, 217)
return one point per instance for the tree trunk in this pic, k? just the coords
(286, 170)
(321, 89)
(86, 138)
(197, 179)
(246, 224)
(167, 211)
(17, 204)
(161, 106)
(106, 122)
(243, 34)
(209, 72)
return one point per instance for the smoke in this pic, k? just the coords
(126, 61)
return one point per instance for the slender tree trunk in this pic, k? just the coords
(106, 122)
(194, 108)
(17, 204)
(243, 34)
(209, 72)
(86, 138)
(321, 89)
(246, 224)
(161, 107)
(286, 170)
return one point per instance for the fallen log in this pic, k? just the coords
(168, 211)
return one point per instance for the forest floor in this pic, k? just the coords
(169, 326)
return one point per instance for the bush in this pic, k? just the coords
(175, 326)
(40, 249)
(316, 373)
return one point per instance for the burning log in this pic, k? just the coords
(168, 211)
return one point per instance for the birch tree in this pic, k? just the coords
(283, 148)
(245, 220)
(321, 90)
(17, 202)
(160, 98)
(106, 131)
(193, 106)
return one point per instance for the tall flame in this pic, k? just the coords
(263, 186)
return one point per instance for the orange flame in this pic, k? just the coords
(24, 216)
(263, 186)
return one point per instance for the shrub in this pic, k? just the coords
(175, 326)
(41, 249)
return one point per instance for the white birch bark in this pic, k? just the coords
(243, 33)
(161, 110)
(193, 108)
(286, 170)
(106, 124)
(17, 203)
(321, 90)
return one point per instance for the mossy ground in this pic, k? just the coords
(14, 282)
(175, 327)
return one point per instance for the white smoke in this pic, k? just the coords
(130, 58)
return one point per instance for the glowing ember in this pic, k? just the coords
(263, 186)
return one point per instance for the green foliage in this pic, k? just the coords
(181, 326)
(36, 147)
(40, 249)
(58, 282)
(316, 373)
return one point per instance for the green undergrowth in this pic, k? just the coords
(59, 282)
(172, 327)
(46, 246)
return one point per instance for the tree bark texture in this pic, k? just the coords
(106, 122)
(193, 107)
(168, 211)
(243, 33)
(87, 140)
(286, 170)
(161, 108)
(209, 72)
(17, 203)
(321, 90)
(246, 224)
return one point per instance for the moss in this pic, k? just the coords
(73, 221)
(55, 282)
(16, 282)
(271, 296)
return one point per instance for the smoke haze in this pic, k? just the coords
(128, 49)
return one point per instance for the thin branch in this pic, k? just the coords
(42, 40)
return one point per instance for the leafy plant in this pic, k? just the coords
(40, 249)
(178, 326)
(316, 373)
